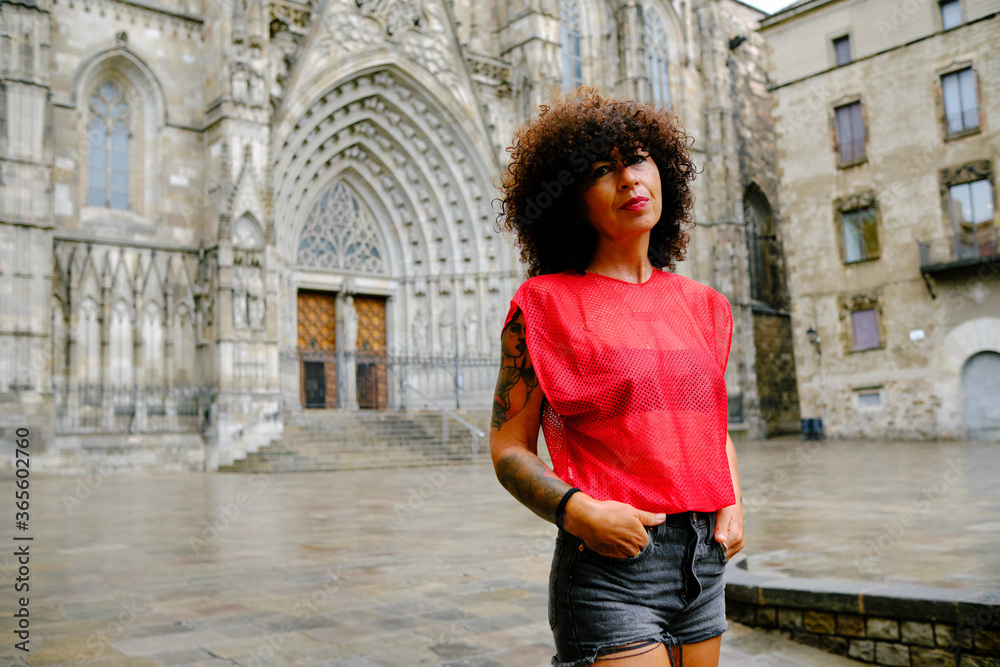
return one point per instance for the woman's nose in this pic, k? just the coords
(628, 179)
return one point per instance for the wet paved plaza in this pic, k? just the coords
(439, 566)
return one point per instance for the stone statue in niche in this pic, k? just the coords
(239, 84)
(348, 317)
(420, 343)
(255, 298)
(240, 298)
(446, 327)
(493, 322)
(471, 324)
(258, 94)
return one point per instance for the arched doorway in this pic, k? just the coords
(777, 388)
(341, 333)
(981, 396)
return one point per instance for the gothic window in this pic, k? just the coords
(767, 275)
(569, 32)
(657, 62)
(340, 234)
(120, 346)
(108, 149)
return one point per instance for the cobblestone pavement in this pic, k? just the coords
(434, 566)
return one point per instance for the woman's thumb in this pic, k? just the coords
(650, 519)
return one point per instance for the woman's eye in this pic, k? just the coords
(600, 171)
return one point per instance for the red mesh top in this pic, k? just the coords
(636, 407)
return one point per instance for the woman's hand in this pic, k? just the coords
(609, 527)
(729, 528)
(729, 520)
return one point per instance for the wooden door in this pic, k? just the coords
(317, 329)
(373, 388)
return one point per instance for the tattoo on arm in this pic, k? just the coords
(517, 377)
(529, 480)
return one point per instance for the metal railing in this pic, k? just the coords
(960, 249)
(464, 381)
(102, 410)
(446, 414)
(963, 121)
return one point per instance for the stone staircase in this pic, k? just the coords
(315, 440)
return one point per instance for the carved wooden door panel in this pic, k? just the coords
(317, 329)
(373, 389)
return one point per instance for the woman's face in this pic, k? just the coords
(624, 198)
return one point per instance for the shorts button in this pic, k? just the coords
(581, 546)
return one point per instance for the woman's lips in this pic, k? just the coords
(635, 204)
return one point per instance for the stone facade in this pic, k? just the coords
(894, 281)
(174, 174)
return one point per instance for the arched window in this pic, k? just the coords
(767, 275)
(569, 32)
(340, 234)
(657, 61)
(108, 149)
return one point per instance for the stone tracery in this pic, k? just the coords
(340, 234)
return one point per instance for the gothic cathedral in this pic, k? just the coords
(214, 211)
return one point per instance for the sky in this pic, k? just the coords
(769, 6)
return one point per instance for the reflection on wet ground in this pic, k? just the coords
(915, 512)
(440, 566)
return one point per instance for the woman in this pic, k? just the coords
(622, 364)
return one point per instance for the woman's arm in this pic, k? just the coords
(609, 527)
(729, 520)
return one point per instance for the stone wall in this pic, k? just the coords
(890, 625)
(776, 385)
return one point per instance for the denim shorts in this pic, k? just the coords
(672, 592)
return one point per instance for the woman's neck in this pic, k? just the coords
(623, 261)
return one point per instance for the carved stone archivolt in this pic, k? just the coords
(380, 128)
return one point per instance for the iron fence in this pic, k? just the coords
(378, 380)
(106, 410)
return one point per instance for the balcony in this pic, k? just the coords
(959, 251)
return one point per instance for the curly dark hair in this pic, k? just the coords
(550, 156)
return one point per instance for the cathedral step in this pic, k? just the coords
(345, 440)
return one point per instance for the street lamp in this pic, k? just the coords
(814, 338)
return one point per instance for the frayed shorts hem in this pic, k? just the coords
(666, 639)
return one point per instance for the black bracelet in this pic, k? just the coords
(561, 510)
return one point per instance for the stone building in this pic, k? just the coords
(888, 120)
(213, 212)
